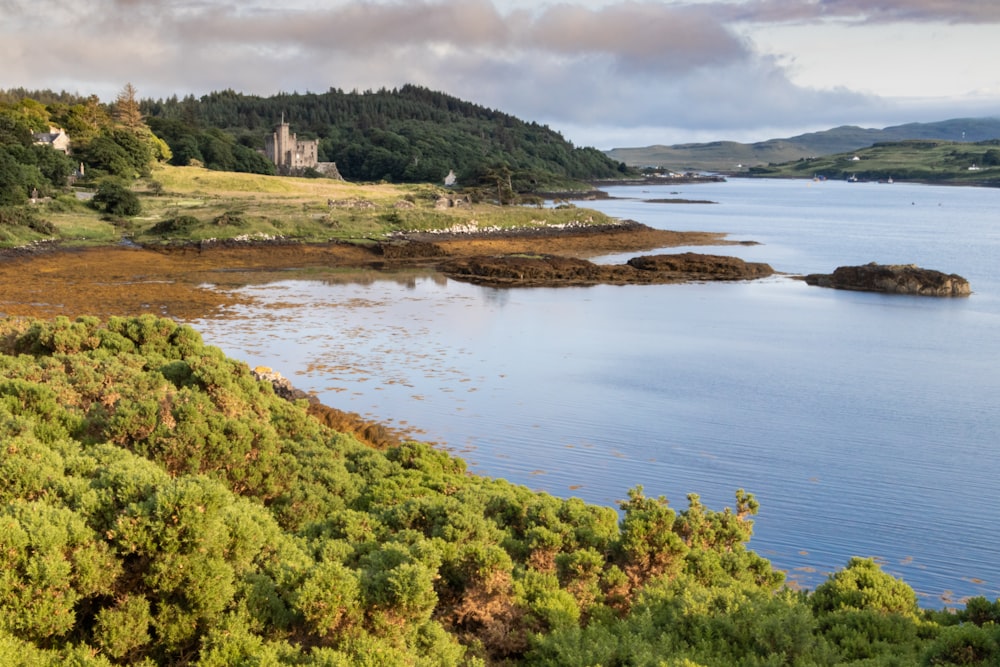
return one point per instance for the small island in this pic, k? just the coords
(893, 279)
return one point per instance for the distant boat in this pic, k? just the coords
(853, 178)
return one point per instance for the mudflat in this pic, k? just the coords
(188, 281)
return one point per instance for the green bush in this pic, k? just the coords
(116, 199)
(179, 225)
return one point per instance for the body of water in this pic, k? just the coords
(865, 424)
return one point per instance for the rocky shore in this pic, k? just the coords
(192, 280)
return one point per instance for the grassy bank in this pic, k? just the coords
(190, 203)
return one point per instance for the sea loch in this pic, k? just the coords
(865, 424)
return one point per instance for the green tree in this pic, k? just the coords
(991, 158)
(117, 199)
(13, 182)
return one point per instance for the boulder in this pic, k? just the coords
(893, 279)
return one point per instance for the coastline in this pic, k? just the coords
(193, 280)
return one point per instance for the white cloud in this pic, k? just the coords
(635, 68)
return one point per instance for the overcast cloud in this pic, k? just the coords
(603, 73)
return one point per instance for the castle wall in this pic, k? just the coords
(289, 155)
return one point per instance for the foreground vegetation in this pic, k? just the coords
(929, 161)
(160, 505)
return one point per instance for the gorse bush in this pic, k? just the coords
(160, 505)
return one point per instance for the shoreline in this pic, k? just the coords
(199, 279)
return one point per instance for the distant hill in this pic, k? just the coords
(728, 155)
(921, 160)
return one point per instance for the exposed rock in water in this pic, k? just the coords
(696, 266)
(893, 279)
(551, 270)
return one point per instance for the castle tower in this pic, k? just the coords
(289, 155)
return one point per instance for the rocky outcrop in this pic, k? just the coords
(368, 432)
(696, 266)
(553, 271)
(893, 279)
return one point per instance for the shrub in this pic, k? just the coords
(230, 219)
(963, 645)
(116, 199)
(863, 586)
(181, 224)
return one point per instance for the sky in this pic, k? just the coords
(617, 73)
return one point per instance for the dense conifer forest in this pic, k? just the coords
(410, 134)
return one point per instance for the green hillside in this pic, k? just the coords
(410, 134)
(405, 135)
(731, 156)
(932, 161)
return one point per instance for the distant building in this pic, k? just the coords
(292, 157)
(288, 154)
(56, 138)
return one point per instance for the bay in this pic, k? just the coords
(865, 424)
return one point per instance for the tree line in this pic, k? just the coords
(405, 135)
(161, 504)
(106, 142)
(410, 134)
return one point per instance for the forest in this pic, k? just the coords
(162, 504)
(410, 134)
(406, 135)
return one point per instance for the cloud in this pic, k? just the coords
(645, 36)
(866, 11)
(599, 64)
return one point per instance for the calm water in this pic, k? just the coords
(865, 424)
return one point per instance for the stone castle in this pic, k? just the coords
(292, 157)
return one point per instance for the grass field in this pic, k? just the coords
(917, 160)
(191, 203)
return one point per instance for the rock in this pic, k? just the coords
(893, 279)
(696, 266)
(551, 270)
(282, 387)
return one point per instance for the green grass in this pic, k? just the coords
(917, 160)
(228, 205)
